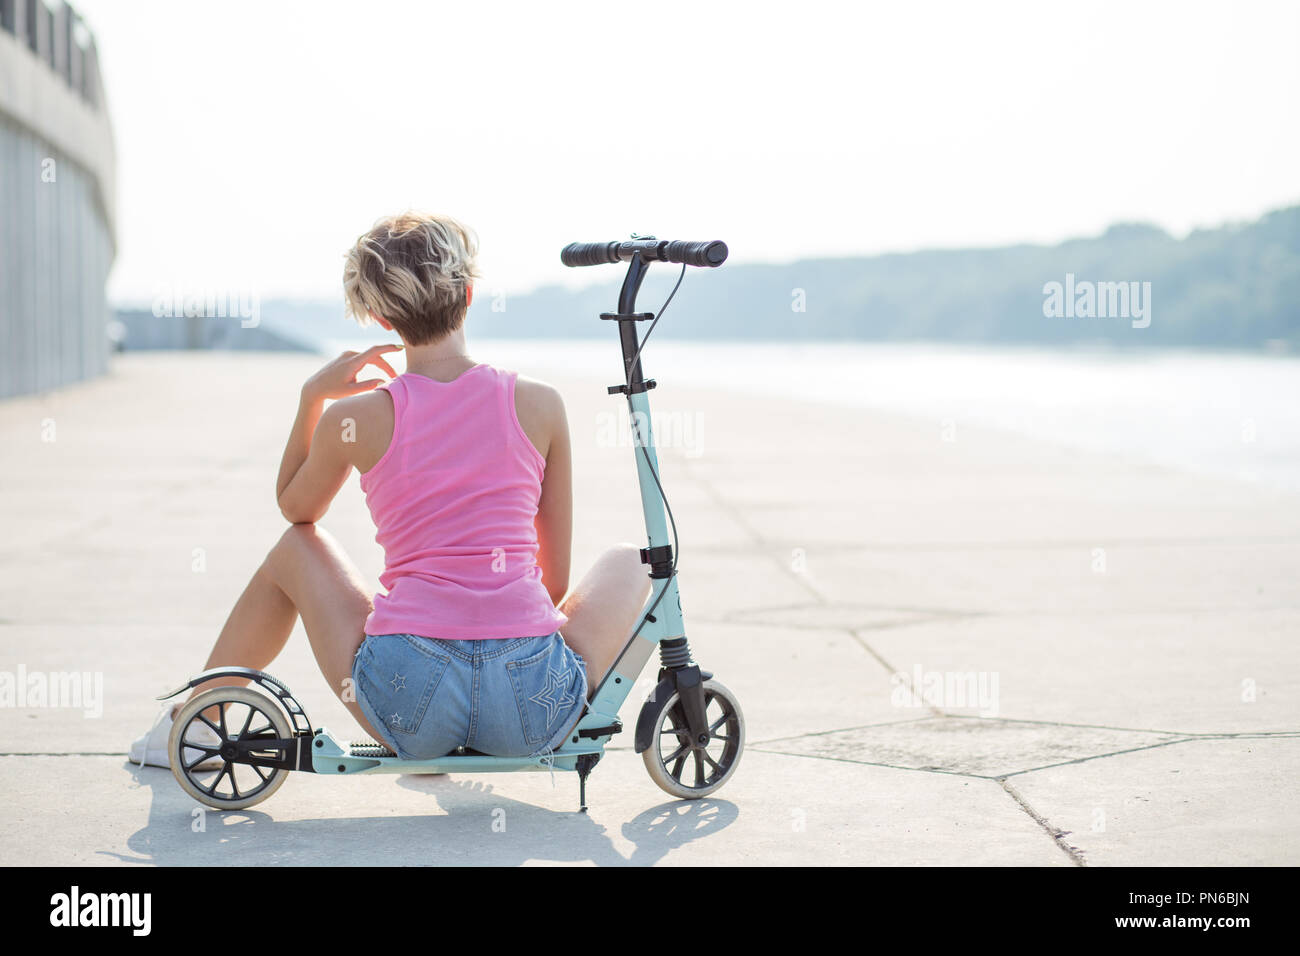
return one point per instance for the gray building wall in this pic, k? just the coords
(145, 331)
(57, 167)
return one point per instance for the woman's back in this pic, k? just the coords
(454, 499)
(469, 482)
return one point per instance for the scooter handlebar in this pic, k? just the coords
(709, 253)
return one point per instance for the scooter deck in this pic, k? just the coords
(331, 757)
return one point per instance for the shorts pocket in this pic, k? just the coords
(546, 692)
(399, 674)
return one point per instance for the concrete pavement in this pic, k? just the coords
(984, 650)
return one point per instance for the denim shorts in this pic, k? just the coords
(508, 697)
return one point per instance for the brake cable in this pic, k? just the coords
(644, 454)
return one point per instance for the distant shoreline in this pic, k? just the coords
(294, 340)
(1133, 287)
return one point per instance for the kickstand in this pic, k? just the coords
(585, 764)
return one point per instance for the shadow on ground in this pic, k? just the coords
(469, 823)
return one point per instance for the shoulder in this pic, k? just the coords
(540, 410)
(538, 395)
(370, 408)
(361, 426)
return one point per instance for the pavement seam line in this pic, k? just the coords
(1004, 775)
(875, 763)
(893, 671)
(1057, 835)
(760, 747)
(739, 517)
(840, 730)
(64, 753)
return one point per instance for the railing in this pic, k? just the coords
(60, 38)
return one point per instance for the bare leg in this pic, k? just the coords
(604, 607)
(306, 573)
(255, 632)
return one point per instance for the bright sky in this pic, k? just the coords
(257, 140)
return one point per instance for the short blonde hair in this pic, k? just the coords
(413, 271)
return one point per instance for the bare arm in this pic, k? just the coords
(299, 445)
(311, 488)
(318, 457)
(554, 521)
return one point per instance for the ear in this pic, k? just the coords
(469, 296)
(383, 322)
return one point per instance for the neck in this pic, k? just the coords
(443, 359)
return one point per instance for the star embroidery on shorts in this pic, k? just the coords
(398, 682)
(395, 720)
(554, 696)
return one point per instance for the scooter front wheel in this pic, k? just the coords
(691, 769)
(194, 747)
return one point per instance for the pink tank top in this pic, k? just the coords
(454, 499)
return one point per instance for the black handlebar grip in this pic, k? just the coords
(709, 254)
(589, 253)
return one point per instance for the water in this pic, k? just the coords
(1225, 414)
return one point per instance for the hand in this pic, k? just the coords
(338, 379)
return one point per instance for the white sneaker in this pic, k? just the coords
(151, 749)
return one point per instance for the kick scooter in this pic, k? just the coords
(690, 731)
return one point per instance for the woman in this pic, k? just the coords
(467, 474)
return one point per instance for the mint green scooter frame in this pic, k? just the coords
(664, 622)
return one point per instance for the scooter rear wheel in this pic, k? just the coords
(243, 713)
(690, 770)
